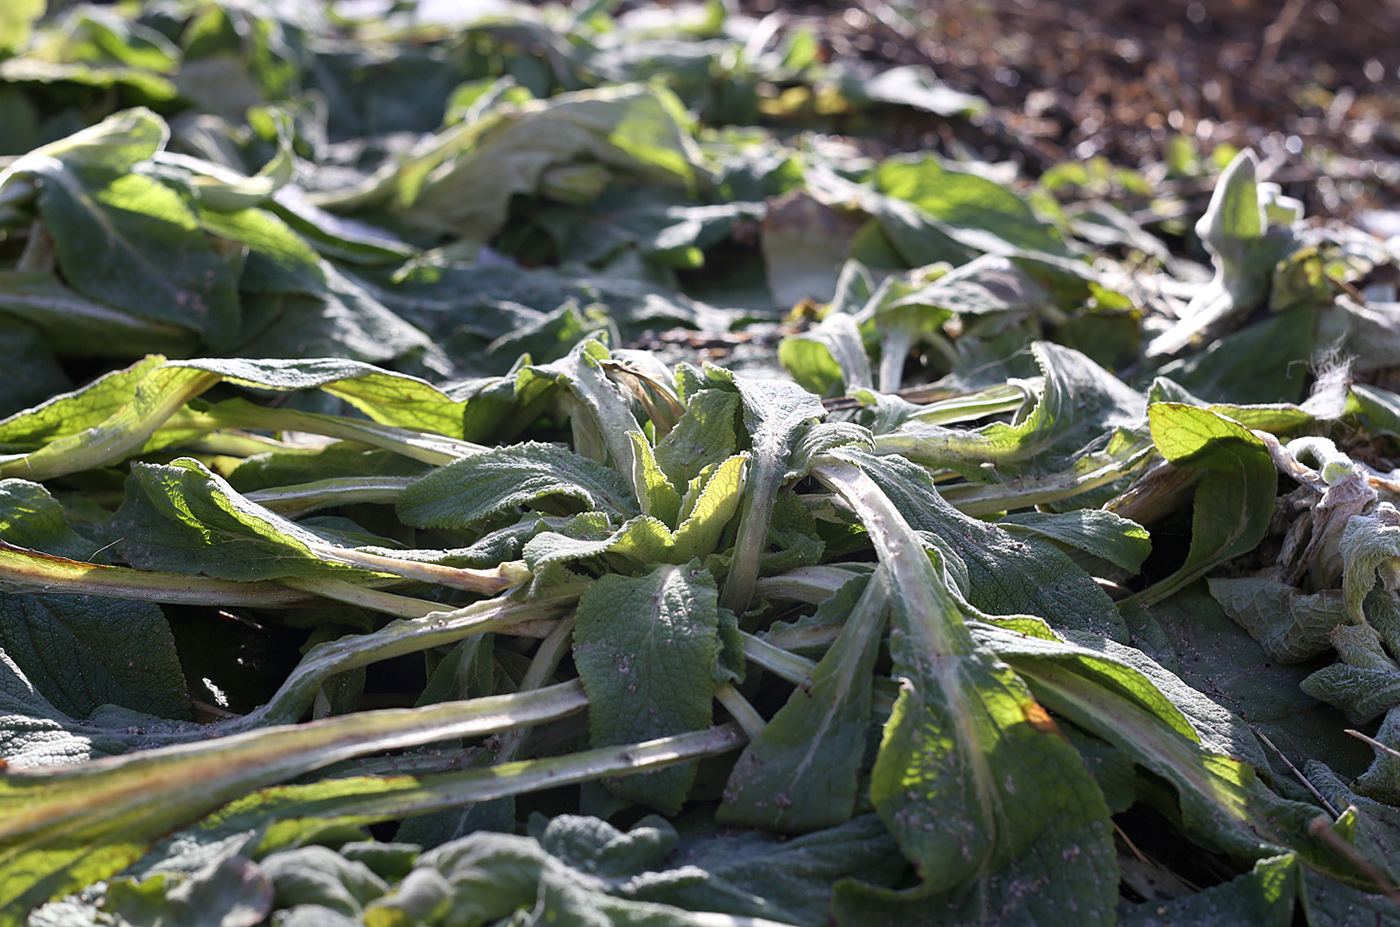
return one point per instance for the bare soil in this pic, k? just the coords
(1313, 85)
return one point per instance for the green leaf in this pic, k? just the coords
(1262, 363)
(175, 516)
(73, 413)
(787, 879)
(704, 435)
(121, 413)
(235, 891)
(706, 518)
(30, 517)
(1381, 408)
(1220, 800)
(967, 201)
(1234, 500)
(1265, 896)
(973, 778)
(628, 128)
(1004, 576)
(1234, 230)
(279, 260)
(1365, 682)
(74, 325)
(117, 143)
(918, 88)
(1110, 537)
(333, 238)
(34, 733)
(108, 229)
(800, 773)
(123, 653)
(659, 224)
(340, 318)
(600, 415)
(645, 649)
(829, 359)
(1370, 550)
(1279, 418)
(1290, 626)
(1080, 401)
(540, 475)
(110, 419)
(658, 497)
(319, 875)
(1213, 654)
(1330, 903)
(61, 830)
(139, 86)
(777, 415)
(1129, 673)
(385, 396)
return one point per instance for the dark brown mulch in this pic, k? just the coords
(1313, 85)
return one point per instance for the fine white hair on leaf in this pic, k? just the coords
(1331, 384)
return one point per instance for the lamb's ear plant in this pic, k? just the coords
(983, 691)
(350, 572)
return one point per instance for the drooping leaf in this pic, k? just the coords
(1233, 501)
(776, 414)
(462, 493)
(800, 773)
(1105, 535)
(966, 735)
(1004, 576)
(108, 229)
(645, 648)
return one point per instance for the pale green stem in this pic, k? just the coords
(419, 445)
(804, 584)
(803, 637)
(24, 570)
(753, 532)
(796, 670)
(979, 499)
(209, 772)
(235, 444)
(895, 344)
(410, 635)
(488, 582)
(349, 490)
(451, 790)
(542, 666)
(740, 710)
(919, 590)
